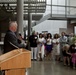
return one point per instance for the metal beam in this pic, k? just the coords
(61, 6)
(25, 6)
(25, 2)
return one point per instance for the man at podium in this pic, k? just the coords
(10, 39)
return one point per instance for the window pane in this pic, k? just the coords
(72, 2)
(58, 10)
(58, 2)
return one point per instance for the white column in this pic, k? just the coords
(20, 8)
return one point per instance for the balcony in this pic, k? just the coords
(35, 6)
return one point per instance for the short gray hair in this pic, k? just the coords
(12, 23)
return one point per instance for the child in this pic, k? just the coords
(66, 55)
(73, 54)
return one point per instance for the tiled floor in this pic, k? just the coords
(49, 68)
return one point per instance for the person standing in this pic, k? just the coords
(41, 47)
(63, 41)
(49, 46)
(33, 44)
(70, 39)
(56, 47)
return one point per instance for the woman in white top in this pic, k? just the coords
(56, 47)
(49, 45)
(41, 41)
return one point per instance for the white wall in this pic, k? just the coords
(75, 30)
(52, 26)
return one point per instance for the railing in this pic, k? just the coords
(61, 9)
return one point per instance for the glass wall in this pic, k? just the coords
(72, 8)
(62, 7)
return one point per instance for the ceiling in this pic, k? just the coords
(36, 7)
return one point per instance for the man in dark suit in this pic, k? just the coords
(10, 39)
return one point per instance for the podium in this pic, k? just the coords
(15, 62)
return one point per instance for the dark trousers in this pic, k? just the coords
(2, 72)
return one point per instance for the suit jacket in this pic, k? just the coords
(11, 42)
